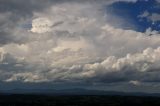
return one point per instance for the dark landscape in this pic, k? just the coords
(81, 100)
(78, 97)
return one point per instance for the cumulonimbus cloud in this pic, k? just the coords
(73, 42)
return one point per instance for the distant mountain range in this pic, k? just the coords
(76, 91)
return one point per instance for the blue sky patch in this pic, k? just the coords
(130, 12)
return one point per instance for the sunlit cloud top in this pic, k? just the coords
(89, 43)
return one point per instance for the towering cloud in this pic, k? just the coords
(71, 41)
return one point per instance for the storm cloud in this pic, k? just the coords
(62, 41)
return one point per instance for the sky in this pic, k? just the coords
(91, 44)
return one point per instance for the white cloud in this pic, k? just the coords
(41, 25)
(144, 15)
(26, 77)
(153, 17)
(145, 61)
(2, 52)
(73, 41)
(149, 31)
(73, 45)
(135, 83)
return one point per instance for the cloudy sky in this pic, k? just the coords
(93, 44)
